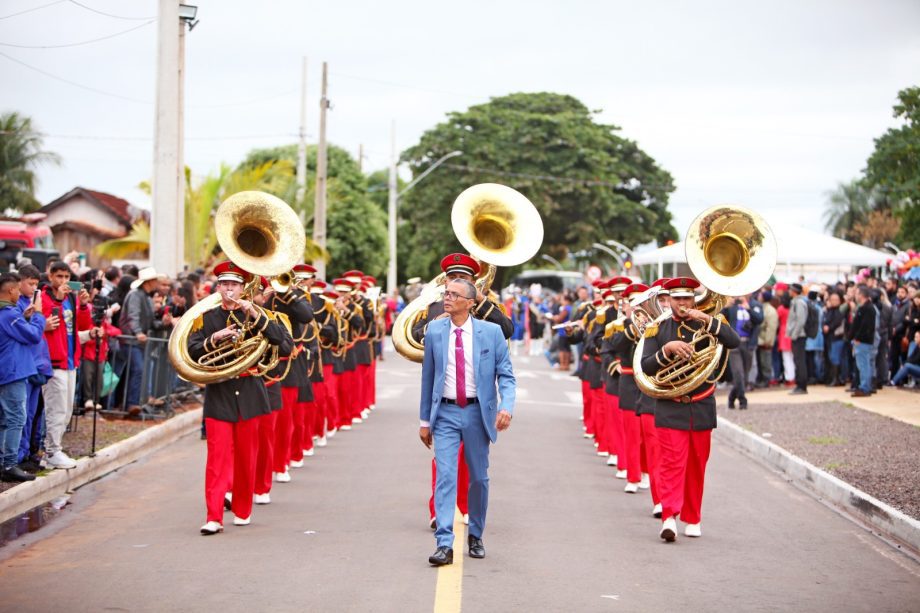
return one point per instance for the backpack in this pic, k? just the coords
(813, 321)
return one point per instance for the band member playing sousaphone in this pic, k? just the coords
(232, 406)
(685, 421)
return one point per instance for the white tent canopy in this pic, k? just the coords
(796, 246)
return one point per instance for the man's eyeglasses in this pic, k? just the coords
(454, 296)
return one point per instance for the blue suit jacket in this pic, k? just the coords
(490, 362)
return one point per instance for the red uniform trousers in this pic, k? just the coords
(463, 484)
(372, 386)
(586, 407)
(364, 374)
(357, 392)
(345, 389)
(319, 412)
(651, 452)
(299, 417)
(284, 426)
(615, 428)
(265, 454)
(231, 464)
(684, 454)
(599, 414)
(331, 388)
(632, 441)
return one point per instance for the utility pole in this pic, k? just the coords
(391, 213)
(319, 212)
(302, 147)
(167, 227)
(361, 158)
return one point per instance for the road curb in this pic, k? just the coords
(33, 493)
(878, 516)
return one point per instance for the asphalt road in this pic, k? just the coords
(350, 533)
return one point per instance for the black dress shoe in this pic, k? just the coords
(16, 474)
(442, 557)
(30, 466)
(477, 549)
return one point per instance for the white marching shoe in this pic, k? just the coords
(693, 530)
(631, 488)
(644, 484)
(612, 460)
(296, 463)
(309, 453)
(372, 407)
(621, 474)
(322, 441)
(365, 413)
(656, 512)
(261, 498)
(346, 427)
(212, 527)
(668, 530)
(331, 433)
(466, 519)
(239, 521)
(284, 477)
(604, 454)
(357, 420)
(587, 435)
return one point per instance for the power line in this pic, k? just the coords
(33, 9)
(97, 137)
(74, 83)
(89, 8)
(85, 42)
(403, 85)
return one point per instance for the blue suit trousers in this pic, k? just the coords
(453, 425)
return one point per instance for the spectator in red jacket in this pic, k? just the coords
(69, 324)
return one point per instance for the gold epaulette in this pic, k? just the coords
(198, 323)
(600, 316)
(721, 318)
(651, 330)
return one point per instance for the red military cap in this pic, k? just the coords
(330, 293)
(343, 285)
(263, 282)
(682, 287)
(598, 302)
(634, 288)
(228, 271)
(598, 284)
(354, 275)
(618, 284)
(460, 262)
(304, 271)
(609, 296)
(371, 281)
(659, 283)
(318, 287)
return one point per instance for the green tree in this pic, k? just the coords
(894, 166)
(847, 207)
(136, 242)
(20, 153)
(355, 226)
(587, 182)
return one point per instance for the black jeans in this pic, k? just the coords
(739, 361)
(801, 364)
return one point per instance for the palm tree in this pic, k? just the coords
(20, 153)
(847, 207)
(137, 241)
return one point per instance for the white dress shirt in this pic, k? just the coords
(450, 375)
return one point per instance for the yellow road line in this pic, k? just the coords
(449, 589)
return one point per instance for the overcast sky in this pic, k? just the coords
(765, 104)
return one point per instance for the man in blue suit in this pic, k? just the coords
(464, 359)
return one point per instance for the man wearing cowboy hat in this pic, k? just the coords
(135, 320)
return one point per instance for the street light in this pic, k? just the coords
(187, 13)
(610, 251)
(553, 260)
(394, 203)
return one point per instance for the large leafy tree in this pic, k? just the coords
(894, 166)
(21, 151)
(355, 226)
(847, 207)
(587, 182)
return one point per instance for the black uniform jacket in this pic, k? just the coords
(297, 307)
(355, 319)
(242, 397)
(695, 411)
(591, 336)
(624, 347)
(485, 310)
(363, 352)
(315, 357)
(329, 336)
(608, 356)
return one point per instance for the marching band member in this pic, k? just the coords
(684, 423)
(295, 388)
(589, 332)
(329, 321)
(353, 317)
(231, 407)
(314, 420)
(573, 337)
(374, 339)
(624, 346)
(617, 435)
(362, 347)
(611, 378)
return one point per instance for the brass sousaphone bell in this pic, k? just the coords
(498, 226)
(732, 252)
(263, 235)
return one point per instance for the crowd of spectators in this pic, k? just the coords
(72, 336)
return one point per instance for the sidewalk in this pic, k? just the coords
(903, 405)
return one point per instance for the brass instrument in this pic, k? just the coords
(498, 226)
(282, 283)
(261, 234)
(732, 252)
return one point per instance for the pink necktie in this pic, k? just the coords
(461, 368)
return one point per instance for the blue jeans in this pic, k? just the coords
(132, 359)
(12, 419)
(835, 351)
(864, 364)
(907, 369)
(33, 431)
